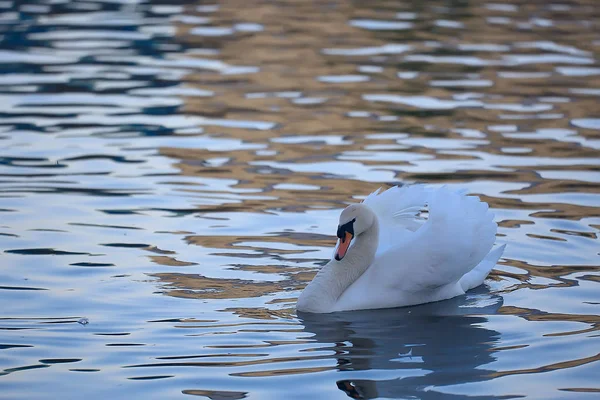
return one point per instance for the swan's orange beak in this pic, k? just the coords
(343, 246)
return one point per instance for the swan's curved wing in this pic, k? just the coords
(459, 233)
(397, 211)
(427, 265)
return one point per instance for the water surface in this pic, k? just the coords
(172, 174)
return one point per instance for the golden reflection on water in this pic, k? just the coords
(504, 124)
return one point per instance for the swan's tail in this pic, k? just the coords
(476, 276)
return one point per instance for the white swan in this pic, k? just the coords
(389, 256)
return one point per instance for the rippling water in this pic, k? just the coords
(172, 173)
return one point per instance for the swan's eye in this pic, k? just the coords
(347, 227)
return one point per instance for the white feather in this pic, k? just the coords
(397, 209)
(417, 260)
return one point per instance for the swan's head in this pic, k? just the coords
(355, 219)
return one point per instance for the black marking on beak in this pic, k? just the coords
(347, 227)
(345, 233)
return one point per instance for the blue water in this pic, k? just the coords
(171, 175)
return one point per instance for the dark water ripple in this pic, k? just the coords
(171, 175)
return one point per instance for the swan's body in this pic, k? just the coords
(398, 259)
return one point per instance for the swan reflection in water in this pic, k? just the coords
(428, 346)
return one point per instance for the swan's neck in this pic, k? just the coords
(336, 276)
